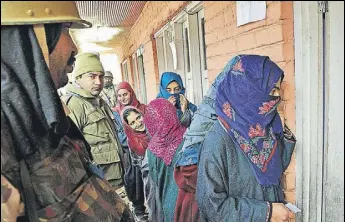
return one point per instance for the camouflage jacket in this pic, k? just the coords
(109, 96)
(96, 121)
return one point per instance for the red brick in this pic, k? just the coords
(214, 23)
(229, 17)
(211, 38)
(289, 181)
(289, 51)
(289, 71)
(221, 48)
(212, 74)
(222, 33)
(246, 41)
(292, 166)
(275, 52)
(288, 91)
(233, 31)
(288, 29)
(290, 196)
(287, 9)
(228, 4)
(207, 3)
(213, 10)
(290, 113)
(218, 62)
(269, 35)
(273, 12)
(251, 26)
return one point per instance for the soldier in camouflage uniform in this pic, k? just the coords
(46, 170)
(93, 116)
(108, 93)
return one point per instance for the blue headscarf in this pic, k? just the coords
(203, 120)
(166, 79)
(250, 116)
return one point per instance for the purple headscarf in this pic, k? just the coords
(249, 114)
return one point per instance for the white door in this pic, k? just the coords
(333, 181)
(187, 63)
(202, 45)
(319, 78)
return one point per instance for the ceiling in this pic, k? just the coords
(112, 21)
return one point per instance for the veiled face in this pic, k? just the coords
(173, 88)
(62, 58)
(276, 89)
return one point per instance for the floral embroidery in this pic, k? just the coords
(259, 158)
(228, 110)
(257, 132)
(268, 107)
(245, 147)
(238, 67)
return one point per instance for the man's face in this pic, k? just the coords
(124, 97)
(108, 81)
(62, 58)
(92, 82)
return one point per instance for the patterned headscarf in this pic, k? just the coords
(166, 79)
(134, 100)
(165, 129)
(137, 141)
(249, 114)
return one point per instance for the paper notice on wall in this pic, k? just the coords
(250, 11)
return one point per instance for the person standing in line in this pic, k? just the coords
(166, 133)
(245, 153)
(138, 139)
(94, 117)
(171, 88)
(134, 183)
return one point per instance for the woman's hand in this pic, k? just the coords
(183, 102)
(281, 213)
(172, 100)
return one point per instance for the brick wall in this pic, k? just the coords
(154, 16)
(272, 37)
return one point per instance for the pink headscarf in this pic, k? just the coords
(165, 129)
(137, 141)
(134, 100)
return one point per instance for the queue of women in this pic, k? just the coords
(220, 161)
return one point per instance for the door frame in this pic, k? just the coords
(309, 110)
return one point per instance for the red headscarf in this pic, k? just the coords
(137, 141)
(134, 100)
(165, 129)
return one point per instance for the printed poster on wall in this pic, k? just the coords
(250, 11)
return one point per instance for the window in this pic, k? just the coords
(141, 72)
(135, 74)
(125, 71)
(181, 48)
(204, 78)
(186, 40)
